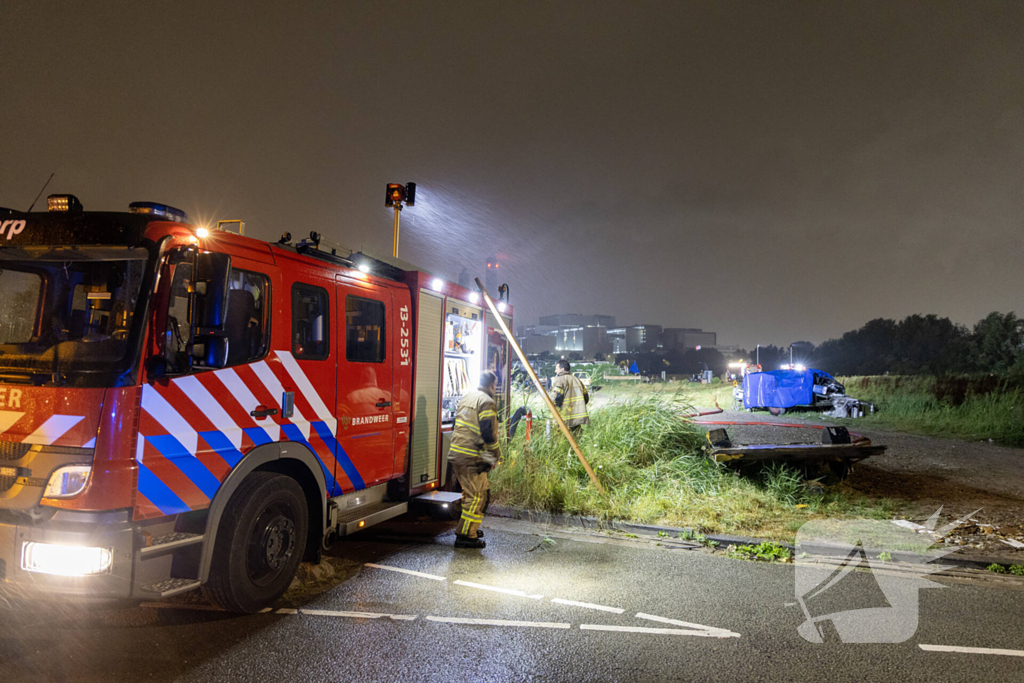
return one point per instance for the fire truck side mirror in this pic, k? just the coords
(213, 270)
(156, 368)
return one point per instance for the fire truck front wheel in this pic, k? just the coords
(259, 544)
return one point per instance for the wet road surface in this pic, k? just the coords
(576, 608)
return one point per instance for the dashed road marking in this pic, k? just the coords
(286, 610)
(587, 605)
(647, 629)
(356, 615)
(499, 622)
(506, 591)
(720, 632)
(972, 650)
(432, 577)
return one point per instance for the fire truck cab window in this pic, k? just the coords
(365, 337)
(245, 323)
(20, 306)
(179, 323)
(310, 322)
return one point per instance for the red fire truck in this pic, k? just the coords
(185, 407)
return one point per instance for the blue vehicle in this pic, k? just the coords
(779, 390)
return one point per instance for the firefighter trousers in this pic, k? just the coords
(476, 493)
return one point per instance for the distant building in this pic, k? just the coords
(635, 338)
(578, 320)
(684, 338)
(568, 333)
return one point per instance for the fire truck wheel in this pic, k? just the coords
(259, 544)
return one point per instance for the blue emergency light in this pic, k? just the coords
(162, 210)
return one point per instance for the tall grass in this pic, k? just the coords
(984, 407)
(651, 464)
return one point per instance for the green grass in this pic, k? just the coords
(962, 407)
(650, 462)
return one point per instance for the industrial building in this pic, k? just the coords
(588, 335)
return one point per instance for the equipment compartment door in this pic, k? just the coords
(366, 423)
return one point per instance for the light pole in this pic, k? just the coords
(758, 351)
(395, 197)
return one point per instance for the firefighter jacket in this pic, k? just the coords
(476, 430)
(571, 397)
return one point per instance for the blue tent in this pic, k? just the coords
(780, 388)
(634, 369)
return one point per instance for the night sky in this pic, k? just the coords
(772, 171)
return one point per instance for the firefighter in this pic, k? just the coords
(474, 452)
(571, 398)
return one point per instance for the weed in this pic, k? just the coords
(545, 542)
(885, 556)
(1017, 569)
(996, 568)
(766, 550)
(663, 534)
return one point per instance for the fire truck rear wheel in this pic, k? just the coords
(259, 544)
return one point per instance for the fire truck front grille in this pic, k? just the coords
(7, 480)
(11, 450)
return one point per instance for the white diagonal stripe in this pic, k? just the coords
(8, 418)
(208, 405)
(587, 605)
(169, 418)
(270, 381)
(140, 447)
(304, 385)
(433, 577)
(675, 622)
(54, 428)
(241, 393)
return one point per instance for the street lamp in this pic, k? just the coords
(395, 197)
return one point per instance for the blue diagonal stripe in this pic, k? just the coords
(223, 446)
(292, 432)
(339, 454)
(189, 465)
(158, 493)
(257, 434)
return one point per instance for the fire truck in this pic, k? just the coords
(185, 406)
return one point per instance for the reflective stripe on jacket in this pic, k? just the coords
(573, 406)
(474, 408)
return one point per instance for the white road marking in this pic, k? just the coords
(433, 577)
(588, 605)
(498, 622)
(179, 605)
(720, 632)
(506, 591)
(356, 615)
(656, 631)
(972, 650)
(287, 610)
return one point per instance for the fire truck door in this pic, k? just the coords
(366, 423)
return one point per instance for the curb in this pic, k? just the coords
(725, 540)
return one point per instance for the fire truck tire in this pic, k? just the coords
(259, 544)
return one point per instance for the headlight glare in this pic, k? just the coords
(65, 560)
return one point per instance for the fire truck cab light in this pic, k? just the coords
(364, 268)
(167, 212)
(64, 560)
(202, 232)
(362, 523)
(63, 202)
(67, 481)
(437, 284)
(474, 297)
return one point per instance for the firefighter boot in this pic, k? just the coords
(467, 542)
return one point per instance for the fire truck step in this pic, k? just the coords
(368, 515)
(169, 587)
(169, 542)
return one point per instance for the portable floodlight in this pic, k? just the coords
(395, 197)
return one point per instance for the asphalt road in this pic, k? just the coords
(735, 624)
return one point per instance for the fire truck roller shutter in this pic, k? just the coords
(287, 457)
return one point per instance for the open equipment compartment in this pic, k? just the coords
(463, 356)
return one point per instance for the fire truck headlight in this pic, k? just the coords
(65, 560)
(67, 481)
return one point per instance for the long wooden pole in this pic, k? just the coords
(398, 212)
(540, 388)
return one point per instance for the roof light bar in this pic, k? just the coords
(67, 203)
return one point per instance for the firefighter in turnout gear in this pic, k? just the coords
(571, 398)
(474, 452)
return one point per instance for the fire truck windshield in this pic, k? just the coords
(66, 315)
